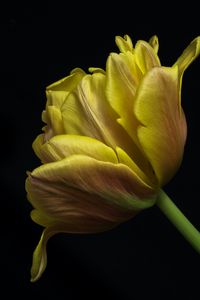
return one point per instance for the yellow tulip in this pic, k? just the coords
(112, 139)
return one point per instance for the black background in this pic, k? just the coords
(145, 258)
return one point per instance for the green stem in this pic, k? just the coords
(171, 211)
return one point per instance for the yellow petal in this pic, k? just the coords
(38, 145)
(124, 44)
(87, 112)
(55, 119)
(154, 43)
(57, 92)
(67, 83)
(83, 185)
(162, 132)
(188, 55)
(55, 98)
(96, 70)
(120, 91)
(148, 177)
(73, 224)
(54, 122)
(42, 219)
(62, 146)
(82, 195)
(145, 56)
(40, 256)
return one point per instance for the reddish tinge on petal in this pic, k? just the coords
(85, 187)
(80, 194)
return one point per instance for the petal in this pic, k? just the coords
(120, 91)
(154, 43)
(55, 98)
(145, 56)
(62, 146)
(67, 83)
(58, 91)
(82, 195)
(124, 44)
(55, 120)
(38, 145)
(82, 186)
(74, 224)
(96, 70)
(56, 94)
(40, 256)
(125, 159)
(162, 132)
(188, 55)
(87, 112)
(42, 219)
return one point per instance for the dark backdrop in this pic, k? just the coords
(145, 258)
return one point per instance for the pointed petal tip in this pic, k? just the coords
(154, 43)
(190, 53)
(124, 43)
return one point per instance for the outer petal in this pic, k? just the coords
(82, 185)
(87, 112)
(62, 146)
(67, 83)
(40, 256)
(82, 195)
(73, 224)
(188, 55)
(37, 147)
(163, 130)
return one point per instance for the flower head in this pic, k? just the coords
(112, 138)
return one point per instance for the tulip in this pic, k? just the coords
(112, 139)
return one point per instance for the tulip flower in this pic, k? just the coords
(113, 138)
